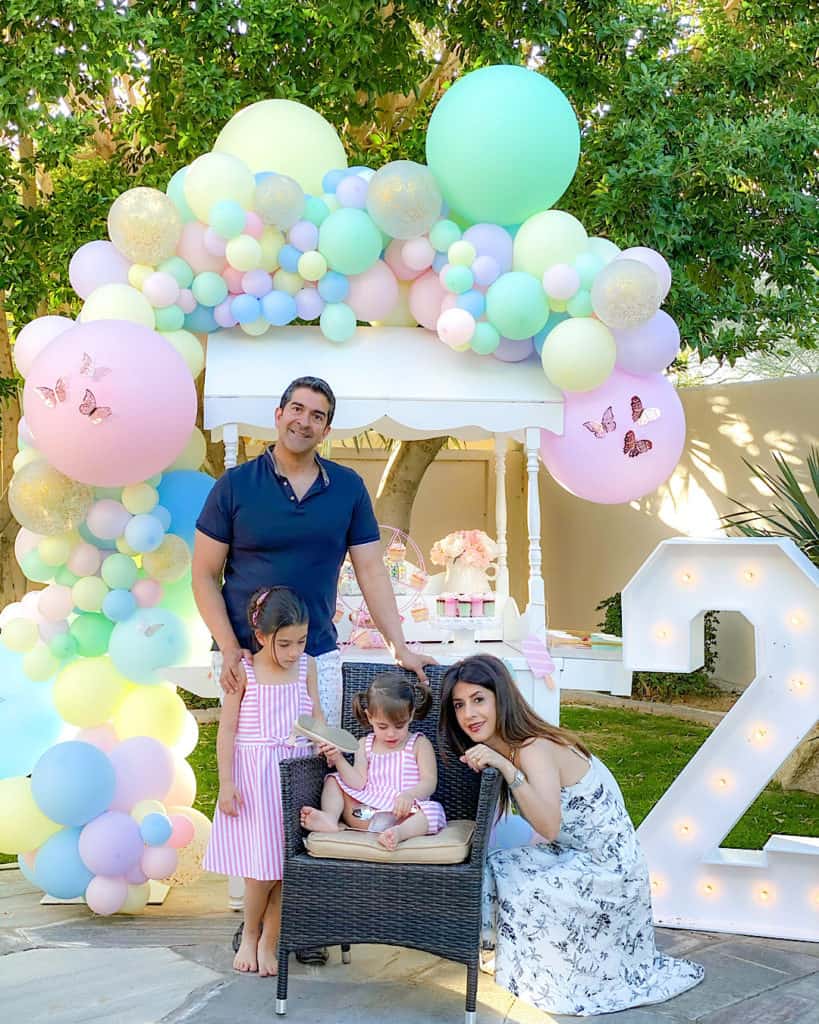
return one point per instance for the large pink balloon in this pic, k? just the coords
(95, 264)
(374, 293)
(620, 441)
(110, 403)
(144, 770)
(426, 296)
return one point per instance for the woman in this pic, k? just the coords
(568, 919)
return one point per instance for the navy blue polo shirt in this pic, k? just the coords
(274, 539)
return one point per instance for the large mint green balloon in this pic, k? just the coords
(503, 143)
(349, 241)
(516, 304)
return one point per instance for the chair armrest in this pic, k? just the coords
(485, 814)
(301, 781)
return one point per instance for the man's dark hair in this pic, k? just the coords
(321, 387)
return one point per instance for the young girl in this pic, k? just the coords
(394, 771)
(255, 735)
(569, 918)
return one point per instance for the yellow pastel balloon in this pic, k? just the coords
(579, 354)
(271, 243)
(151, 711)
(118, 302)
(39, 664)
(283, 136)
(24, 457)
(23, 826)
(88, 691)
(136, 900)
(137, 274)
(400, 315)
(217, 176)
(139, 499)
(89, 592)
(145, 807)
(243, 253)
(193, 454)
(546, 239)
(55, 550)
(285, 281)
(20, 634)
(189, 347)
(256, 328)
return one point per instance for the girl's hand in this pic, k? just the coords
(403, 806)
(331, 753)
(480, 756)
(230, 800)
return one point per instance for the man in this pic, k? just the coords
(289, 517)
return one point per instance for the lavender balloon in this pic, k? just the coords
(491, 240)
(652, 259)
(95, 264)
(309, 304)
(509, 351)
(620, 441)
(111, 844)
(144, 770)
(649, 347)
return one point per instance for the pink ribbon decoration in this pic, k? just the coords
(538, 659)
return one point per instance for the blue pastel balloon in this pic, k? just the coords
(156, 829)
(439, 262)
(246, 308)
(329, 182)
(119, 605)
(144, 533)
(289, 257)
(227, 218)
(279, 308)
(473, 302)
(511, 831)
(333, 287)
(200, 321)
(261, 176)
(148, 642)
(161, 513)
(183, 492)
(58, 867)
(29, 723)
(73, 782)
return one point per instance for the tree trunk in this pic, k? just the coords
(401, 479)
(12, 581)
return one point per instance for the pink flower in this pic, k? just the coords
(470, 547)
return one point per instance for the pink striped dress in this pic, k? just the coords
(389, 774)
(252, 844)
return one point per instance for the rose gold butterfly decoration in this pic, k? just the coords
(640, 415)
(606, 425)
(88, 368)
(53, 396)
(632, 447)
(150, 630)
(88, 407)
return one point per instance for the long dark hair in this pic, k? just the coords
(273, 608)
(393, 696)
(516, 724)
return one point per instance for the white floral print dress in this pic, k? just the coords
(570, 921)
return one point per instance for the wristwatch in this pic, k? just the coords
(517, 779)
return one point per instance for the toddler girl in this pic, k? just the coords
(255, 735)
(394, 772)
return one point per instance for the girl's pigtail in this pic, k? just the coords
(360, 709)
(421, 701)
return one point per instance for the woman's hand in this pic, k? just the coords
(403, 805)
(332, 754)
(230, 799)
(480, 756)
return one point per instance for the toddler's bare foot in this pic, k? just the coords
(389, 838)
(315, 820)
(268, 960)
(245, 960)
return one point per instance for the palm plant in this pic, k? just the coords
(793, 513)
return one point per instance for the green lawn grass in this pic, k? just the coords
(645, 753)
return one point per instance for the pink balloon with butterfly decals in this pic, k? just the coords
(110, 403)
(620, 442)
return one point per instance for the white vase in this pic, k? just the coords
(468, 579)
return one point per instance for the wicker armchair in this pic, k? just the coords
(431, 907)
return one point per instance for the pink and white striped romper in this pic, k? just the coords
(389, 774)
(252, 844)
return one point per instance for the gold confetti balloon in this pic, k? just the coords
(189, 866)
(403, 199)
(170, 561)
(625, 293)
(45, 501)
(144, 225)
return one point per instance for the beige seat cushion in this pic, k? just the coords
(450, 846)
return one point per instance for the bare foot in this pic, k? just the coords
(389, 838)
(318, 821)
(245, 960)
(268, 960)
